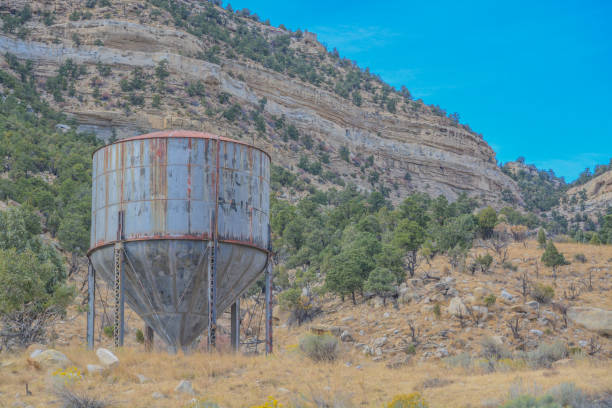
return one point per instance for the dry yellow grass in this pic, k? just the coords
(243, 381)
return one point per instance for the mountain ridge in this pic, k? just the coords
(412, 148)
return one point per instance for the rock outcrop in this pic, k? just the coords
(591, 318)
(597, 194)
(412, 149)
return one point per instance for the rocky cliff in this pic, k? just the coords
(592, 198)
(397, 150)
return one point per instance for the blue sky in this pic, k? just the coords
(534, 77)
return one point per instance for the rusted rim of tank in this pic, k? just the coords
(175, 238)
(183, 134)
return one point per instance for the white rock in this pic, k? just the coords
(185, 387)
(158, 395)
(94, 368)
(457, 307)
(381, 341)
(386, 315)
(591, 318)
(346, 336)
(50, 358)
(106, 357)
(507, 296)
(536, 332)
(142, 379)
(481, 311)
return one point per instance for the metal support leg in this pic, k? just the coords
(212, 294)
(235, 330)
(148, 338)
(119, 296)
(91, 309)
(269, 306)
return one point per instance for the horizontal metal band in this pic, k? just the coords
(182, 134)
(179, 238)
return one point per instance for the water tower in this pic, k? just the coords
(179, 229)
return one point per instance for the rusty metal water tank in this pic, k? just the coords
(167, 184)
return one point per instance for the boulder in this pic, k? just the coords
(49, 358)
(157, 395)
(481, 312)
(323, 329)
(33, 347)
(519, 309)
(536, 332)
(404, 297)
(142, 379)
(106, 357)
(346, 336)
(457, 307)
(591, 318)
(470, 300)
(185, 387)
(379, 342)
(507, 296)
(94, 368)
(533, 305)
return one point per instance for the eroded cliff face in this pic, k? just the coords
(597, 195)
(413, 149)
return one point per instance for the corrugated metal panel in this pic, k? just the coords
(166, 185)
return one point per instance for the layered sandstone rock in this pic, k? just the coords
(438, 156)
(598, 193)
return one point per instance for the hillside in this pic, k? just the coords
(453, 360)
(593, 197)
(405, 259)
(146, 65)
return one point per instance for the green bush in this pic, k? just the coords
(565, 395)
(527, 401)
(492, 350)
(489, 300)
(109, 331)
(232, 113)
(484, 262)
(542, 293)
(139, 336)
(319, 347)
(546, 354)
(32, 278)
(463, 360)
(436, 311)
(568, 395)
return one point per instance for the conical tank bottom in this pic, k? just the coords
(166, 282)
